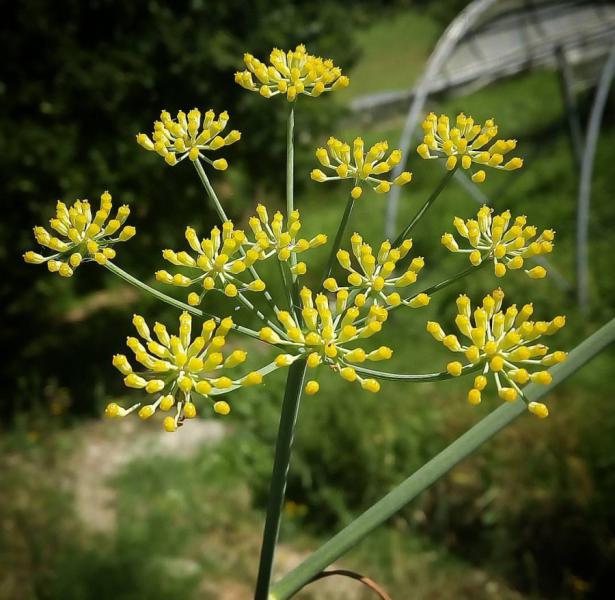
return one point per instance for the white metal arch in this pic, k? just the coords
(456, 31)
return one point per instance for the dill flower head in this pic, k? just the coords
(503, 343)
(188, 136)
(176, 369)
(291, 73)
(218, 262)
(496, 238)
(467, 143)
(322, 335)
(81, 235)
(373, 277)
(274, 237)
(361, 167)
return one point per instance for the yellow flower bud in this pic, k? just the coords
(474, 396)
(312, 387)
(222, 408)
(507, 394)
(370, 385)
(318, 175)
(356, 192)
(454, 368)
(169, 424)
(538, 409)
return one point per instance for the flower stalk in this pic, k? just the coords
(279, 476)
(419, 215)
(170, 300)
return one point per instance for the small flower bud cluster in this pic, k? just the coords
(189, 136)
(374, 276)
(271, 237)
(177, 368)
(362, 167)
(495, 238)
(502, 342)
(323, 333)
(81, 235)
(465, 144)
(291, 73)
(219, 260)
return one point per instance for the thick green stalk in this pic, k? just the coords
(338, 237)
(283, 446)
(170, 300)
(443, 183)
(436, 468)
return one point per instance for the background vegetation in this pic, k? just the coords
(98, 510)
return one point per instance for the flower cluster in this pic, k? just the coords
(189, 136)
(219, 260)
(85, 236)
(291, 73)
(496, 239)
(322, 333)
(362, 167)
(271, 237)
(176, 368)
(502, 342)
(374, 276)
(465, 143)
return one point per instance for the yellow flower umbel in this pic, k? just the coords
(373, 278)
(219, 260)
(189, 136)
(323, 334)
(502, 342)
(291, 73)
(361, 167)
(271, 237)
(176, 369)
(81, 235)
(495, 238)
(465, 144)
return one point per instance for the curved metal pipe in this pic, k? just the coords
(587, 167)
(445, 46)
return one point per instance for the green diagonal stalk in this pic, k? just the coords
(436, 468)
(283, 446)
(223, 217)
(432, 198)
(338, 237)
(172, 301)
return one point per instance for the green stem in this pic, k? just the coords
(338, 237)
(288, 418)
(258, 312)
(443, 183)
(290, 172)
(210, 190)
(218, 206)
(422, 378)
(286, 285)
(436, 468)
(170, 300)
(440, 286)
